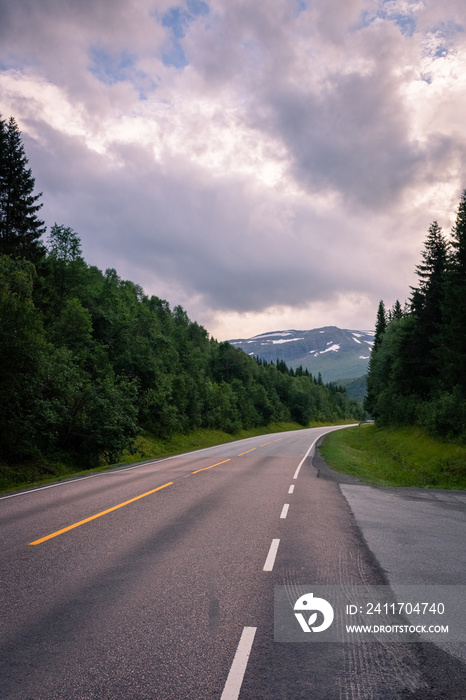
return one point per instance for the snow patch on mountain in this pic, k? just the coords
(333, 348)
(334, 352)
(272, 335)
(285, 340)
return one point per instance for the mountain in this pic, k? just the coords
(334, 352)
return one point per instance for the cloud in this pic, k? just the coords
(233, 244)
(347, 126)
(255, 162)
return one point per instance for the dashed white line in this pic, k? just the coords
(270, 561)
(238, 667)
(291, 489)
(284, 512)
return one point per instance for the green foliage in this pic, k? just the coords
(64, 244)
(356, 388)
(373, 384)
(454, 307)
(74, 329)
(145, 446)
(445, 415)
(20, 229)
(88, 361)
(22, 347)
(417, 373)
(99, 361)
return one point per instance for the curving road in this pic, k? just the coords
(156, 581)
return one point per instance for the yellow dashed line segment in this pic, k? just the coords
(211, 466)
(98, 515)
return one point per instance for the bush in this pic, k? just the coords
(446, 415)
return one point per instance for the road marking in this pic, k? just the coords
(303, 459)
(238, 667)
(211, 466)
(291, 489)
(108, 472)
(50, 486)
(98, 515)
(270, 561)
(245, 453)
(284, 512)
(265, 443)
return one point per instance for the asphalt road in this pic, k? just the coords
(424, 544)
(149, 582)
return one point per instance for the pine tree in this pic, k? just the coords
(380, 325)
(372, 379)
(428, 299)
(455, 304)
(397, 312)
(427, 308)
(20, 229)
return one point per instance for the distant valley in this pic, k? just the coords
(338, 354)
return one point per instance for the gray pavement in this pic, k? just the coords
(138, 583)
(418, 536)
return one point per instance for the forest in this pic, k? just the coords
(88, 361)
(417, 371)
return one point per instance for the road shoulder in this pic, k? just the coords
(416, 535)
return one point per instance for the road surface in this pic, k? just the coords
(417, 535)
(156, 582)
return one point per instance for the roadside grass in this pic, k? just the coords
(146, 447)
(396, 457)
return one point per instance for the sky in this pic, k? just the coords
(266, 164)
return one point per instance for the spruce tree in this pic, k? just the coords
(380, 325)
(427, 307)
(455, 305)
(397, 312)
(373, 383)
(20, 229)
(428, 299)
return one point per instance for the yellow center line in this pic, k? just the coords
(265, 443)
(211, 466)
(245, 453)
(98, 515)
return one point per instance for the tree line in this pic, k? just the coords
(417, 371)
(88, 360)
